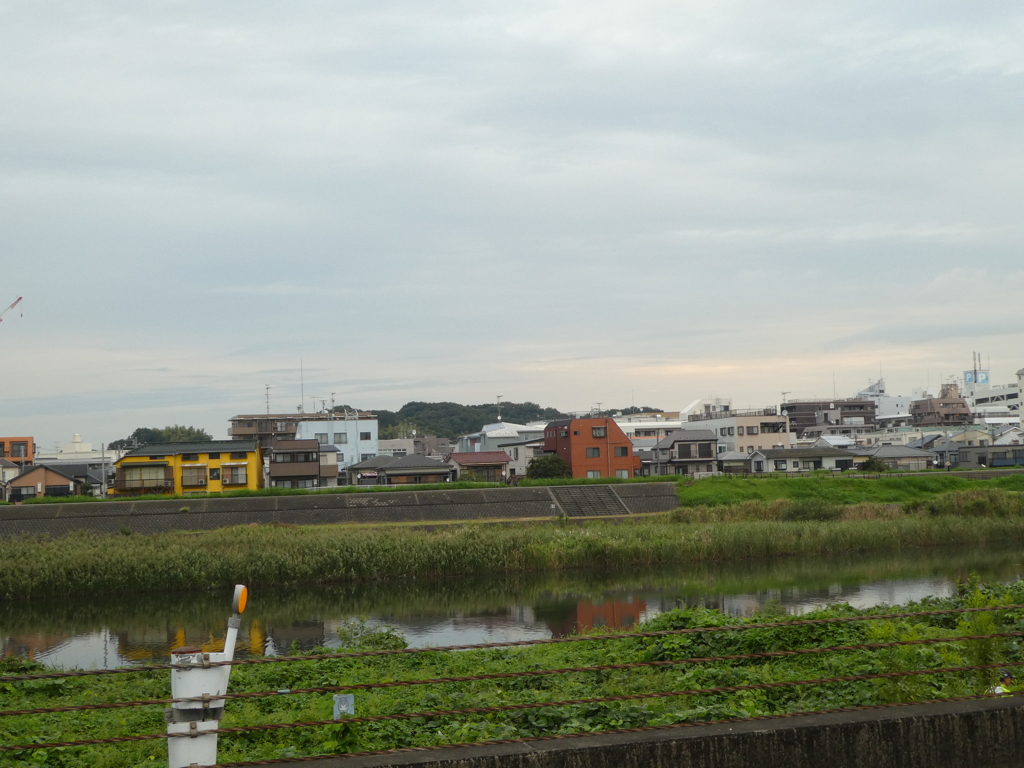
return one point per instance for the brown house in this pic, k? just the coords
(43, 481)
(20, 450)
(303, 464)
(593, 447)
(489, 466)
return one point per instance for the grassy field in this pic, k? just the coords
(92, 563)
(551, 688)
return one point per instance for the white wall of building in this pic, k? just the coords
(355, 439)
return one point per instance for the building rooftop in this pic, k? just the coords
(483, 457)
(686, 435)
(802, 453)
(211, 446)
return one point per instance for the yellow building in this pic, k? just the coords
(209, 467)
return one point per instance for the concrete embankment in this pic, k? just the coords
(972, 734)
(352, 508)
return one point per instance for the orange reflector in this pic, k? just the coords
(240, 599)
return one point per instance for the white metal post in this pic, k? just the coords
(200, 681)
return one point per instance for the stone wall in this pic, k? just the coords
(974, 734)
(313, 509)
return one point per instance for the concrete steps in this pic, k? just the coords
(588, 500)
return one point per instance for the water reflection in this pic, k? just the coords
(143, 629)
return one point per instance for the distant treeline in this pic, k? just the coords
(452, 419)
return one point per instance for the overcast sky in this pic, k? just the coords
(564, 202)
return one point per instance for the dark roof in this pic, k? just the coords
(481, 457)
(283, 446)
(534, 441)
(211, 446)
(8, 464)
(559, 423)
(800, 453)
(374, 463)
(414, 461)
(36, 467)
(686, 436)
(898, 452)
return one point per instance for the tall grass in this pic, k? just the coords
(91, 563)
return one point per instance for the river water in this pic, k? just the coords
(110, 631)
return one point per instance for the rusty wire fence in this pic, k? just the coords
(213, 701)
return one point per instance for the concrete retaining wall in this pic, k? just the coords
(975, 734)
(311, 509)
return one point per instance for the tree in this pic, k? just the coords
(551, 465)
(874, 465)
(169, 434)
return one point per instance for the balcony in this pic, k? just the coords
(136, 485)
(772, 411)
(294, 469)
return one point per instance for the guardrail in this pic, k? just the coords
(194, 719)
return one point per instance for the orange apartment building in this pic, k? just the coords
(595, 447)
(20, 450)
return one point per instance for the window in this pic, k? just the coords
(682, 469)
(751, 430)
(575, 433)
(732, 431)
(622, 473)
(759, 466)
(321, 437)
(341, 457)
(722, 432)
(156, 457)
(564, 433)
(190, 457)
(365, 456)
(599, 431)
(685, 450)
(247, 424)
(193, 476)
(239, 455)
(705, 450)
(215, 474)
(233, 476)
(365, 436)
(213, 455)
(340, 438)
(515, 454)
(796, 463)
(780, 464)
(289, 458)
(593, 473)
(750, 449)
(622, 450)
(593, 453)
(739, 431)
(19, 450)
(145, 477)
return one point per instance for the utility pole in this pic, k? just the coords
(499, 407)
(267, 388)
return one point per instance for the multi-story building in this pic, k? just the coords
(685, 452)
(806, 414)
(356, 439)
(268, 428)
(427, 445)
(492, 435)
(949, 409)
(521, 454)
(745, 431)
(206, 467)
(592, 447)
(20, 450)
(993, 403)
(303, 464)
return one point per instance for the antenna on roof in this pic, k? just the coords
(499, 407)
(302, 388)
(267, 388)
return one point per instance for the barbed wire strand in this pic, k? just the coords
(513, 643)
(508, 675)
(515, 707)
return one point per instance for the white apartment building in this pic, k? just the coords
(355, 438)
(492, 436)
(746, 431)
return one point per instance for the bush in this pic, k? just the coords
(874, 465)
(541, 467)
(803, 510)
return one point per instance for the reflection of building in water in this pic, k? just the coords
(586, 615)
(30, 646)
(303, 634)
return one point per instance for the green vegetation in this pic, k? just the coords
(170, 434)
(844, 489)
(256, 555)
(545, 467)
(452, 419)
(543, 721)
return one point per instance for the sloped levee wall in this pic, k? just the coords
(313, 509)
(975, 734)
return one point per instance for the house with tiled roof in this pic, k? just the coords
(488, 466)
(190, 468)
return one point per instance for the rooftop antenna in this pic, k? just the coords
(16, 302)
(834, 395)
(302, 388)
(267, 388)
(787, 392)
(499, 407)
